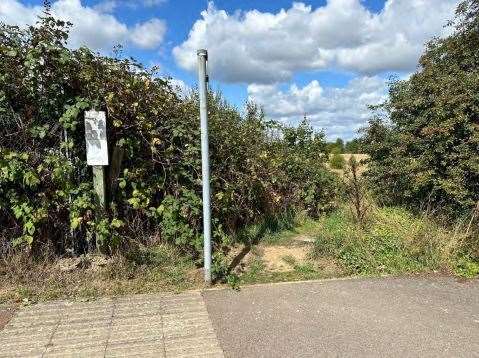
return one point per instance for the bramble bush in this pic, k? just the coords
(259, 168)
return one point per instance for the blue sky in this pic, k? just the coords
(326, 59)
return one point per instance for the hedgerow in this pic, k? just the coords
(259, 167)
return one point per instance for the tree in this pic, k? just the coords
(336, 146)
(353, 146)
(424, 140)
(340, 145)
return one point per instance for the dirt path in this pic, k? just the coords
(287, 257)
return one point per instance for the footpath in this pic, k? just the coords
(362, 317)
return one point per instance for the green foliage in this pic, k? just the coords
(424, 140)
(337, 160)
(337, 146)
(302, 162)
(354, 146)
(393, 242)
(466, 267)
(259, 168)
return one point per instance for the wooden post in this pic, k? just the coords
(99, 183)
(114, 171)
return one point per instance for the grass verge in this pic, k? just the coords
(393, 241)
(145, 270)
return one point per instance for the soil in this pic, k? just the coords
(304, 239)
(274, 257)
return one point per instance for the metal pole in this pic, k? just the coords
(205, 162)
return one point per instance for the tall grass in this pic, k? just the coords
(395, 241)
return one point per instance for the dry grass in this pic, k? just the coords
(359, 157)
(157, 269)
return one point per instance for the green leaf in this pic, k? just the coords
(75, 223)
(29, 227)
(117, 223)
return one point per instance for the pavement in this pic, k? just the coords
(136, 326)
(384, 317)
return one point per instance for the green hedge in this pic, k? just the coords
(46, 199)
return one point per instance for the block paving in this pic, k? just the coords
(171, 325)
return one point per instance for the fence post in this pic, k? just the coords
(205, 162)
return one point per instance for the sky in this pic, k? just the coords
(326, 59)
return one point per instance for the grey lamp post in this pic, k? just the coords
(205, 162)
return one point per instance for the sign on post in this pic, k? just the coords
(97, 150)
(95, 135)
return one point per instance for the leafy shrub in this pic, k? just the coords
(354, 146)
(259, 168)
(424, 141)
(337, 160)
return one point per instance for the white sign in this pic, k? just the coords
(95, 135)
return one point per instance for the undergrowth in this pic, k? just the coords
(159, 268)
(394, 241)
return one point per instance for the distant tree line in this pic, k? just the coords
(339, 146)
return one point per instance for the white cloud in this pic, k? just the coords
(260, 47)
(111, 5)
(106, 6)
(181, 88)
(150, 34)
(153, 3)
(92, 27)
(13, 12)
(339, 111)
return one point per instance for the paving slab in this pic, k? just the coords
(169, 325)
(383, 317)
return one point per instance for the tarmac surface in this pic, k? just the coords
(384, 317)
